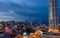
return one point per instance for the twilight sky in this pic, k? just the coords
(21, 10)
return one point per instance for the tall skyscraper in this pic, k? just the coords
(53, 15)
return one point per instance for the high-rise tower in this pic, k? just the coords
(53, 15)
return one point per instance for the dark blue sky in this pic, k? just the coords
(21, 10)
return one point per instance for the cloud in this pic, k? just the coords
(7, 16)
(29, 3)
(12, 12)
(22, 10)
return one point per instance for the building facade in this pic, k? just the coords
(53, 14)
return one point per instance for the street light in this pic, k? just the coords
(25, 35)
(41, 32)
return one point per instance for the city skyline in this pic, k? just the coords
(21, 10)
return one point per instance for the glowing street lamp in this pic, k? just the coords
(25, 35)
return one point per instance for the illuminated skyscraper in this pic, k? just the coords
(53, 15)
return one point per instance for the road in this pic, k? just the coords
(5, 36)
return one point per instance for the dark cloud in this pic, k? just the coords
(21, 10)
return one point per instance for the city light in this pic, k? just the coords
(24, 33)
(23, 23)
